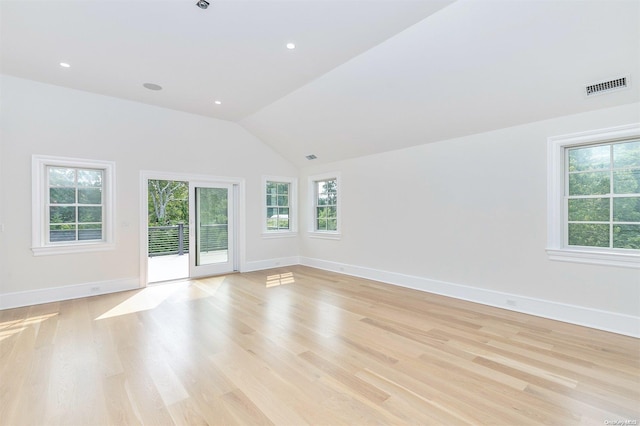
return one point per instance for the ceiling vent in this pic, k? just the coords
(311, 157)
(607, 86)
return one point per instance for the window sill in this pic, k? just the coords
(327, 235)
(279, 234)
(622, 259)
(72, 249)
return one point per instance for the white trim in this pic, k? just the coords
(325, 235)
(556, 248)
(39, 246)
(57, 294)
(311, 196)
(278, 234)
(594, 318)
(259, 265)
(293, 207)
(625, 260)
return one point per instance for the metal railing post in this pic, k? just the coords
(180, 239)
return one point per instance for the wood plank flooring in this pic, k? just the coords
(296, 346)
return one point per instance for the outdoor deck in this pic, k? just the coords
(175, 267)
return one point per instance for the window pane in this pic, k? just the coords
(90, 214)
(283, 188)
(90, 178)
(322, 224)
(626, 154)
(283, 200)
(590, 183)
(62, 214)
(271, 200)
(90, 232)
(626, 209)
(589, 209)
(59, 233)
(332, 225)
(626, 236)
(331, 212)
(271, 188)
(62, 176)
(626, 181)
(90, 195)
(589, 158)
(283, 224)
(321, 212)
(62, 195)
(588, 234)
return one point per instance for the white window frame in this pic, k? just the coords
(312, 231)
(293, 208)
(556, 216)
(39, 190)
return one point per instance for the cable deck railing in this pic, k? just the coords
(166, 240)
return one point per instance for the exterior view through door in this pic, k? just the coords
(212, 227)
(190, 229)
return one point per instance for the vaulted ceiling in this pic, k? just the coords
(366, 76)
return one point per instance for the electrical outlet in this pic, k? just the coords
(511, 302)
(95, 289)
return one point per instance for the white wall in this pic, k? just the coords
(471, 212)
(44, 119)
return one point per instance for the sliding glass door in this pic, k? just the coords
(212, 229)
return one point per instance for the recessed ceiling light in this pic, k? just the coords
(64, 65)
(217, 102)
(152, 86)
(291, 46)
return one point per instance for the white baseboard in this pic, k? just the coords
(602, 320)
(259, 265)
(57, 294)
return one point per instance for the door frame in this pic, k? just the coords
(239, 234)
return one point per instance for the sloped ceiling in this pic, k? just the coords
(366, 76)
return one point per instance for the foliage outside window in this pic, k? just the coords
(278, 206)
(603, 195)
(168, 202)
(593, 194)
(73, 205)
(326, 205)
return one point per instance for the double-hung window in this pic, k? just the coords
(279, 218)
(325, 193)
(72, 205)
(595, 197)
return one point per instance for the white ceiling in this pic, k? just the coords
(367, 76)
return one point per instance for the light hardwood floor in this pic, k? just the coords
(295, 346)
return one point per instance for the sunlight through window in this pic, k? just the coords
(11, 328)
(280, 279)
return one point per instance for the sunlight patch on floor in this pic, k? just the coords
(280, 279)
(10, 328)
(144, 300)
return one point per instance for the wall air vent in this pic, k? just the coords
(607, 86)
(311, 157)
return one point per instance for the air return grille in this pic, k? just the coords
(606, 86)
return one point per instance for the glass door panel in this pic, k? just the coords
(212, 244)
